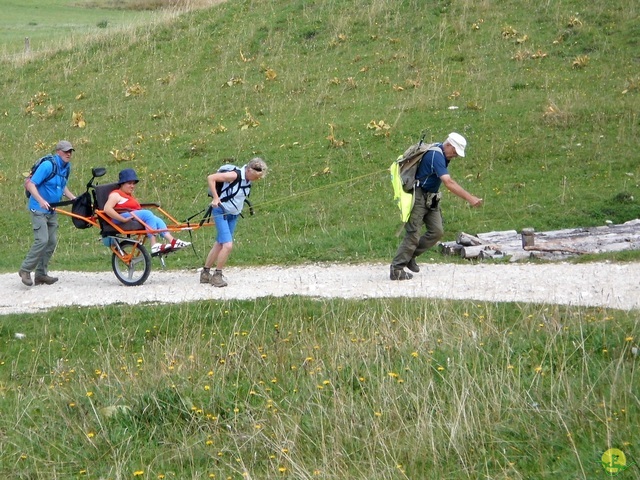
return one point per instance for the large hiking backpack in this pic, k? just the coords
(35, 166)
(403, 176)
(409, 161)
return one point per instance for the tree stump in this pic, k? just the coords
(528, 240)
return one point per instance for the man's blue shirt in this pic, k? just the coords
(432, 166)
(53, 189)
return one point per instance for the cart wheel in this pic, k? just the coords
(135, 268)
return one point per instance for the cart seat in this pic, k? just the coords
(102, 194)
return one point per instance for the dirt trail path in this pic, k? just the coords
(608, 285)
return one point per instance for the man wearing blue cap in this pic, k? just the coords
(46, 186)
(432, 172)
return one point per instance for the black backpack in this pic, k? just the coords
(232, 187)
(82, 206)
(227, 193)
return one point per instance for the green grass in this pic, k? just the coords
(550, 146)
(51, 24)
(297, 388)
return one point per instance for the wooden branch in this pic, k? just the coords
(542, 248)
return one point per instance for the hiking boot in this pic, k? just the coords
(399, 274)
(205, 276)
(217, 280)
(25, 277)
(45, 280)
(413, 265)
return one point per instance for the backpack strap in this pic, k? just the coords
(251, 212)
(228, 192)
(432, 148)
(55, 169)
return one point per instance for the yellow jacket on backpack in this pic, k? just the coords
(403, 199)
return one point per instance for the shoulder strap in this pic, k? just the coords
(229, 191)
(432, 148)
(54, 166)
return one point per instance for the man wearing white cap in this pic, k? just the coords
(431, 173)
(47, 185)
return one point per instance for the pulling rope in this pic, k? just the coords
(209, 209)
(323, 187)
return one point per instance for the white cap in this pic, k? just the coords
(458, 142)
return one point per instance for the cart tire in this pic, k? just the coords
(137, 270)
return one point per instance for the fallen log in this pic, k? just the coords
(490, 253)
(616, 247)
(498, 237)
(468, 240)
(542, 248)
(550, 245)
(451, 248)
(474, 251)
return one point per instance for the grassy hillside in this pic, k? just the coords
(329, 93)
(297, 388)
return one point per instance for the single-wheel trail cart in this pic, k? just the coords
(130, 259)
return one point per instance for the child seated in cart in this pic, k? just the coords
(123, 207)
